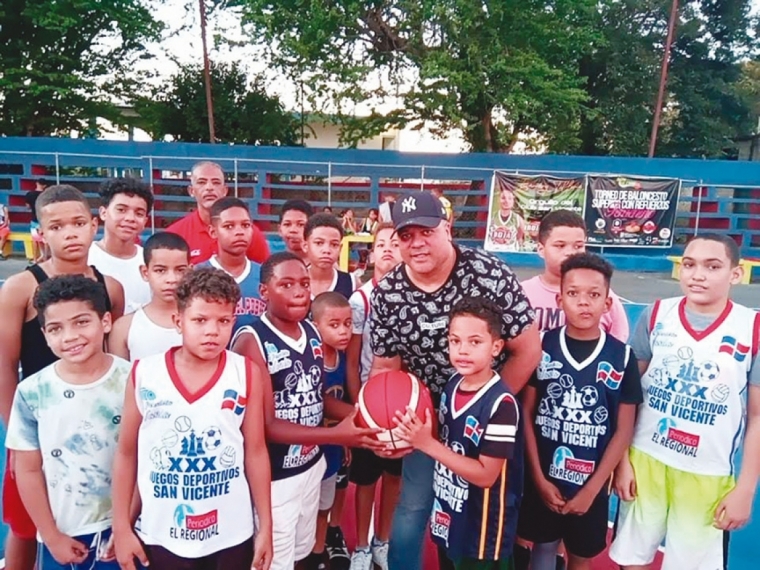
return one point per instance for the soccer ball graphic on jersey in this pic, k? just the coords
(212, 438)
(589, 396)
(708, 371)
(664, 425)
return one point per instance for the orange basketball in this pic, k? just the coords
(383, 395)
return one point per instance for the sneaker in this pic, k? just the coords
(361, 559)
(336, 548)
(380, 554)
(315, 561)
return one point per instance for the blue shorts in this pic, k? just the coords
(93, 542)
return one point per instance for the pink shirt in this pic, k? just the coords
(549, 315)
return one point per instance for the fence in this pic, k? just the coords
(717, 195)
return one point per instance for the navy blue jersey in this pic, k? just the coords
(467, 520)
(250, 306)
(335, 386)
(578, 404)
(296, 368)
(344, 284)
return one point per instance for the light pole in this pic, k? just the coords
(663, 77)
(207, 75)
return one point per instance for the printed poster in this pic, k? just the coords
(518, 203)
(629, 211)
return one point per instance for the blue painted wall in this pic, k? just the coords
(729, 201)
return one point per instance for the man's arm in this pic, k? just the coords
(258, 251)
(734, 510)
(117, 340)
(14, 296)
(619, 327)
(116, 295)
(257, 469)
(524, 356)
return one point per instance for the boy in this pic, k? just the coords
(579, 411)
(62, 448)
(124, 209)
(323, 236)
(562, 233)
(368, 467)
(193, 439)
(478, 472)
(289, 347)
(295, 214)
(701, 375)
(150, 329)
(68, 228)
(507, 226)
(332, 317)
(5, 229)
(38, 244)
(232, 229)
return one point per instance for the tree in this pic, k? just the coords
(63, 61)
(243, 112)
(497, 70)
(705, 108)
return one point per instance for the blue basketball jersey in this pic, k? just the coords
(335, 386)
(250, 306)
(344, 284)
(577, 407)
(296, 368)
(467, 520)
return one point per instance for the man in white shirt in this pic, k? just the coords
(125, 206)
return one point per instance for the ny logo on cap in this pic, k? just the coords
(408, 205)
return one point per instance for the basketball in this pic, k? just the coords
(383, 395)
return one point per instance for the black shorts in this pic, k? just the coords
(341, 479)
(584, 535)
(367, 468)
(238, 557)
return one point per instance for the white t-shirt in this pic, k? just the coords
(75, 428)
(125, 271)
(146, 338)
(359, 302)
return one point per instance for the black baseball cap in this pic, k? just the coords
(418, 209)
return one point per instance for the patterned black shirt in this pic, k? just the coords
(413, 324)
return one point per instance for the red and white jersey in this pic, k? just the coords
(695, 389)
(190, 468)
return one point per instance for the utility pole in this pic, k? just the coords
(663, 77)
(207, 74)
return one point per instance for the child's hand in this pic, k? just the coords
(411, 429)
(66, 550)
(263, 551)
(624, 480)
(734, 510)
(128, 547)
(579, 504)
(551, 495)
(107, 552)
(349, 434)
(346, 455)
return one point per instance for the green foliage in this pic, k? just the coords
(243, 113)
(497, 70)
(63, 61)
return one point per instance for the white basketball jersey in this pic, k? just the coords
(695, 389)
(190, 468)
(146, 338)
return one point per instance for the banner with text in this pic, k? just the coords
(518, 203)
(628, 211)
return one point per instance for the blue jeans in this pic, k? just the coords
(45, 560)
(410, 521)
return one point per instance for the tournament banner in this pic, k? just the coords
(628, 211)
(518, 204)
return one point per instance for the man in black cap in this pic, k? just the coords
(409, 323)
